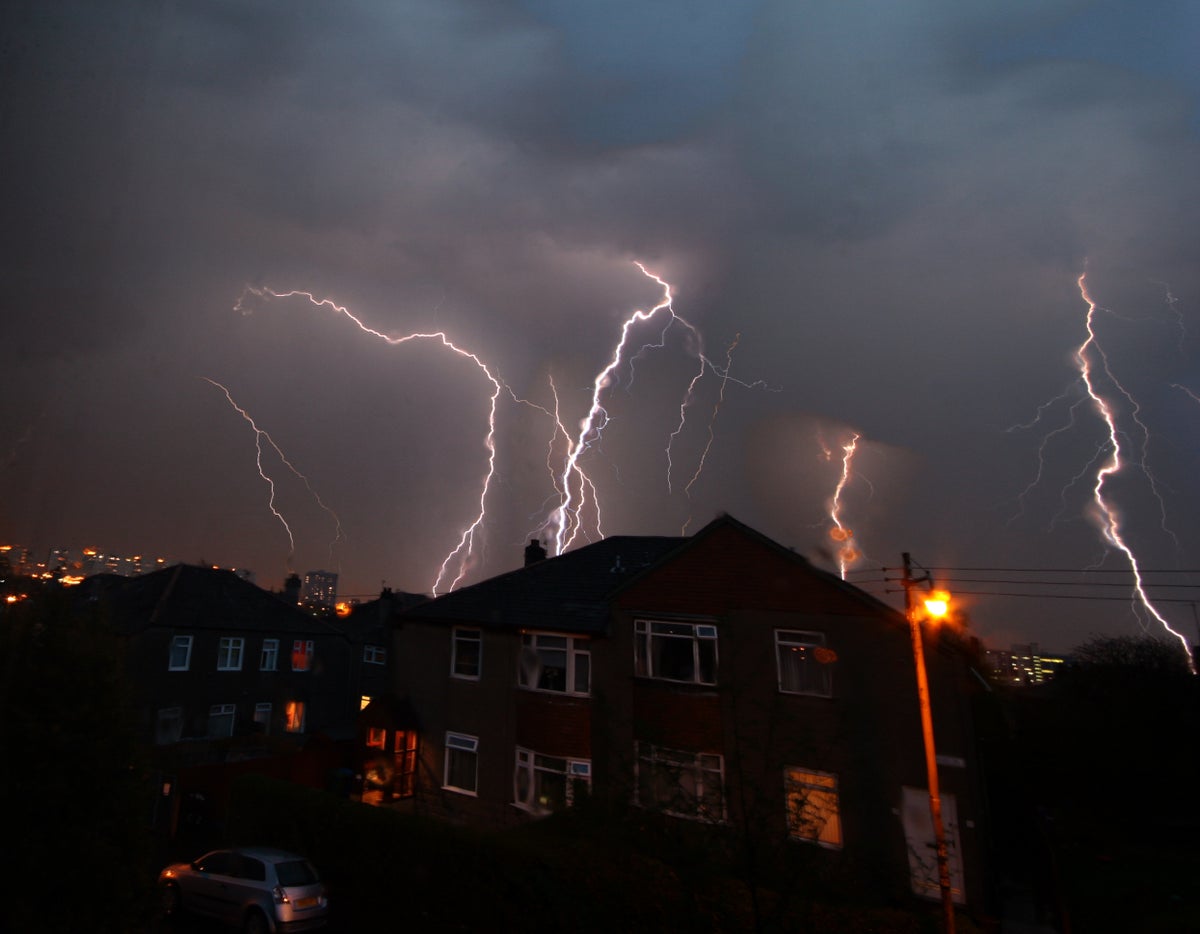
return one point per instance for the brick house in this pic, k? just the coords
(221, 668)
(720, 679)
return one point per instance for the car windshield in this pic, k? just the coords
(296, 872)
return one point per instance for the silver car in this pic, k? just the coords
(258, 889)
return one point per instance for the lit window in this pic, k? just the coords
(294, 717)
(404, 751)
(169, 728)
(805, 664)
(302, 653)
(467, 660)
(685, 784)
(220, 719)
(462, 763)
(270, 655)
(262, 717)
(684, 652)
(364, 701)
(376, 738)
(812, 807)
(554, 663)
(181, 654)
(229, 653)
(543, 784)
(374, 654)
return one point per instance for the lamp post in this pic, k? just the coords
(936, 606)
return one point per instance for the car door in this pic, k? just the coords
(208, 892)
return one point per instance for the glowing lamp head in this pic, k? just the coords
(937, 604)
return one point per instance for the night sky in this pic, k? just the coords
(874, 215)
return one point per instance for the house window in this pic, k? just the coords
(181, 654)
(220, 719)
(169, 728)
(404, 753)
(262, 717)
(543, 784)
(364, 701)
(377, 737)
(468, 655)
(293, 716)
(374, 654)
(805, 664)
(229, 653)
(462, 763)
(685, 784)
(812, 807)
(554, 663)
(270, 655)
(684, 652)
(302, 653)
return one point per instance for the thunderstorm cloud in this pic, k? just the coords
(873, 213)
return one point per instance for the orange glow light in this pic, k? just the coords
(937, 604)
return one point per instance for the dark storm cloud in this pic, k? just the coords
(889, 203)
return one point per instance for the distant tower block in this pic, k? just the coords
(319, 590)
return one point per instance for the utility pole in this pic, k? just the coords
(935, 798)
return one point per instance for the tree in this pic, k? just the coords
(1127, 727)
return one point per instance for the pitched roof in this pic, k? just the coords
(572, 592)
(565, 593)
(188, 597)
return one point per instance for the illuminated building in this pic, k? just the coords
(1023, 664)
(319, 590)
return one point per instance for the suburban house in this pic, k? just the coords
(221, 668)
(718, 679)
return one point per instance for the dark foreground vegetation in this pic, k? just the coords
(1108, 775)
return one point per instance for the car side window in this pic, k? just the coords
(251, 869)
(219, 863)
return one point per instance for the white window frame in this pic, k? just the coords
(812, 805)
(801, 650)
(700, 635)
(531, 765)
(701, 770)
(302, 649)
(466, 634)
(268, 660)
(262, 715)
(184, 643)
(230, 650)
(577, 663)
(221, 710)
(374, 655)
(461, 744)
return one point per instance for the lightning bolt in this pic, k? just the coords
(687, 490)
(259, 435)
(1193, 396)
(574, 491)
(1106, 515)
(564, 524)
(465, 547)
(848, 552)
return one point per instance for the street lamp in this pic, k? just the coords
(936, 606)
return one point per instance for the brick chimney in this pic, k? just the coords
(534, 552)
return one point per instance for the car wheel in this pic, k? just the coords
(172, 901)
(256, 922)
